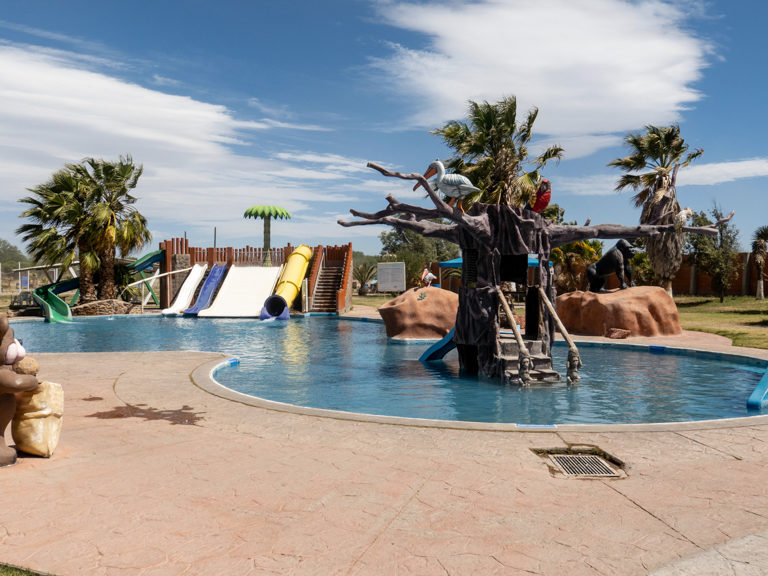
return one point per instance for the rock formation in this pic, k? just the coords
(421, 313)
(640, 310)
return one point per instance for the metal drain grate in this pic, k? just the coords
(583, 465)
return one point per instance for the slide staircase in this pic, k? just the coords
(328, 284)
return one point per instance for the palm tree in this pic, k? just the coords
(492, 150)
(85, 211)
(759, 242)
(114, 222)
(267, 213)
(59, 232)
(661, 151)
(570, 262)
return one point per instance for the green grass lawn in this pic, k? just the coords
(373, 300)
(11, 571)
(741, 318)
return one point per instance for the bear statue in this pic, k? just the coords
(11, 383)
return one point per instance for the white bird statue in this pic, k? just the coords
(454, 186)
(682, 217)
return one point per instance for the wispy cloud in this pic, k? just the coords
(721, 172)
(594, 68)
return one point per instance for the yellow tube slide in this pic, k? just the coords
(289, 284)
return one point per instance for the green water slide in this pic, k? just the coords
(54, 308)
(57, 310)
(142, 264)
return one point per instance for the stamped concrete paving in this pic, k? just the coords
(156, 476)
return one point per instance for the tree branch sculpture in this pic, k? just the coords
(421, 220)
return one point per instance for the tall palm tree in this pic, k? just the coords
(492, 151)
(267, 213)
(660, 151)
(58, 231)
(759, 252)
(114, 221)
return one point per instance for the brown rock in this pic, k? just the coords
(106, 308)
(427, 313)
(617, 333)
(641, 310)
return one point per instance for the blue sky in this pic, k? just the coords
(232, 104)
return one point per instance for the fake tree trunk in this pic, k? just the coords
(665, 251)
(495, 242)
(267, 251)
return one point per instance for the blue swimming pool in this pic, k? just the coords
(351, 366)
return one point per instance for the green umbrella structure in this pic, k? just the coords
(267, 213)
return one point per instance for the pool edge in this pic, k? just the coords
(203, 378)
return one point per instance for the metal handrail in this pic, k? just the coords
(524, 356)
(574, 359)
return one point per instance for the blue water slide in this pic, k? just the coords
(204, 299)
(439, 349)
(759, 397)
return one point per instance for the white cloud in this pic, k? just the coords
(595, 185)
(54, 110)
(721, 172)
(593, 68)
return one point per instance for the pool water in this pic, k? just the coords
(351, 366)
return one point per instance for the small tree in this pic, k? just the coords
(416, 250)
(717, 255)
(363, 273)
(759, 241)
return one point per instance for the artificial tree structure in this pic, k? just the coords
(495, 242)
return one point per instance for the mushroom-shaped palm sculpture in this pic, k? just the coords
(267, 213)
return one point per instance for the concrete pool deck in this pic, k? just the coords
(156, 476)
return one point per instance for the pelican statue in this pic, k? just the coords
(454, 186)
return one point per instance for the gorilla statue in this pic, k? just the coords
(615, 261)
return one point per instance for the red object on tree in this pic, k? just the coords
(543, 195)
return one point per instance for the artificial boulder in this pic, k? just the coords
(421, 313)
(640, 310)
(36, 426)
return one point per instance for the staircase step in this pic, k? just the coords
(537, 375)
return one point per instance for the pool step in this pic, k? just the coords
(541, 370)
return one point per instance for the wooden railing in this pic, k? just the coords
(318, 257)
(344, 294)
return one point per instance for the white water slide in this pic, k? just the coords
(243, 292)
(187, 291)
